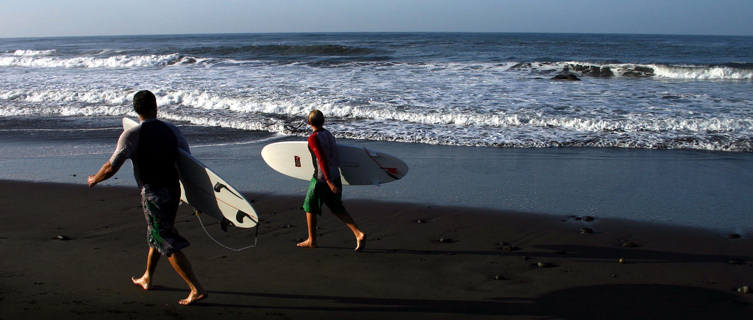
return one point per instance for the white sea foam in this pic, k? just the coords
(33, 53)
(513, 127)
(46, 59)
(119, 61)
(702, 73)
(678, 72)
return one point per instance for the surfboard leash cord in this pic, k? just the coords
(256, 236)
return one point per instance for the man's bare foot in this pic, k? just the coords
(360, 242)
(307, 244)
(143, 282)
(193, 297)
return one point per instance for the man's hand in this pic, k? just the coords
(333, 187)
(92, 181)
(103, 174)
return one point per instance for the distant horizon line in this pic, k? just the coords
(368, 32)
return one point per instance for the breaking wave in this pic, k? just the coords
(658, 71)
(45, 60)
(514, 128)
(344, 56)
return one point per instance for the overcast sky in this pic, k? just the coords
(22, 18)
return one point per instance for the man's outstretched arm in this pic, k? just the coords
(104, 173)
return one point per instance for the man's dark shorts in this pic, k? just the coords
(319, 193)
(160, 206)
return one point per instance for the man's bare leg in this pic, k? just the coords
(145, 281)
(182, 266)
(360, 236)
(311, 223)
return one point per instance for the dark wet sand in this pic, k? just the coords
(485, 267)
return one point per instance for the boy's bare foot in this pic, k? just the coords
(360, 242)
(142, 282)
(307, 244)
(193, 297)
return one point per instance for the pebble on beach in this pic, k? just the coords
(630, 244)
(506, 247)
(734, 261)
(446, 240)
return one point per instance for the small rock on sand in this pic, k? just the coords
(630, 244)
(446, 240)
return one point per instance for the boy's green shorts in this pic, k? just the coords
(319, 193)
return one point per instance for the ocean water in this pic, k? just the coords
(654, 92)
(651, 114)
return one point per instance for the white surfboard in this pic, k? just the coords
(207, 192)
(358, 165)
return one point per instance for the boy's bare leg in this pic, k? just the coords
(182, 266)
(360, 236)
(311, 223)
(145, 281)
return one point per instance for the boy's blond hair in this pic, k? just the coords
(316, 118)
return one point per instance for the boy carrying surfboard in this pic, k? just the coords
(153, 148)
(325, 186)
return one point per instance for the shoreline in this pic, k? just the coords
(677, 187)
(696, 189)
(457, 263)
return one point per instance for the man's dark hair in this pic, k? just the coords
(145, 103)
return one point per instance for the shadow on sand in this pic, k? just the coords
(614, 302)
(578, 252)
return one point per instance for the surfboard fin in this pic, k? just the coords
(224, 223)
(218, 187)
(240, 215)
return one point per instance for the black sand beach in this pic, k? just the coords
(68, 253)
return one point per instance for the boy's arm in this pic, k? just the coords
(320, 158)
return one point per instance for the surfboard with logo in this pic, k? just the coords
(358, 165)
(204, 190)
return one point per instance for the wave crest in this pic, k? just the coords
(119, 61)
(513, 128)
(33, 53)
(658, 71)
